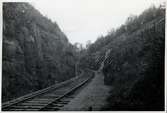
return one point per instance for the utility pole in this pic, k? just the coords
(76, 65)
(78, 55)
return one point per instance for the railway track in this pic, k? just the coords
(48, 99)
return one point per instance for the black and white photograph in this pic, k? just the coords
(83, 55)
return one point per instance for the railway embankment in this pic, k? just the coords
(91, 98)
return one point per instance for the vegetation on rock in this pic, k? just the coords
(36, 53)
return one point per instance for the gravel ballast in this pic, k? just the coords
(91, 98)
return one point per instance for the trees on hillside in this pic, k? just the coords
(135, 66)
(36, 53)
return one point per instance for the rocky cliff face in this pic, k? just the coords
(36, 53)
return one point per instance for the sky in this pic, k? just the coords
(83, 20)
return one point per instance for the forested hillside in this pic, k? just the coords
(134, 67)
(36, 53)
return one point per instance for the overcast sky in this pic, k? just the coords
(83, 20)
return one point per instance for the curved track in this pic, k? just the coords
(48, 99)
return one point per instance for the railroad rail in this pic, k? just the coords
(49, 99)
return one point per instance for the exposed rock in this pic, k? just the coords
(36, 53)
